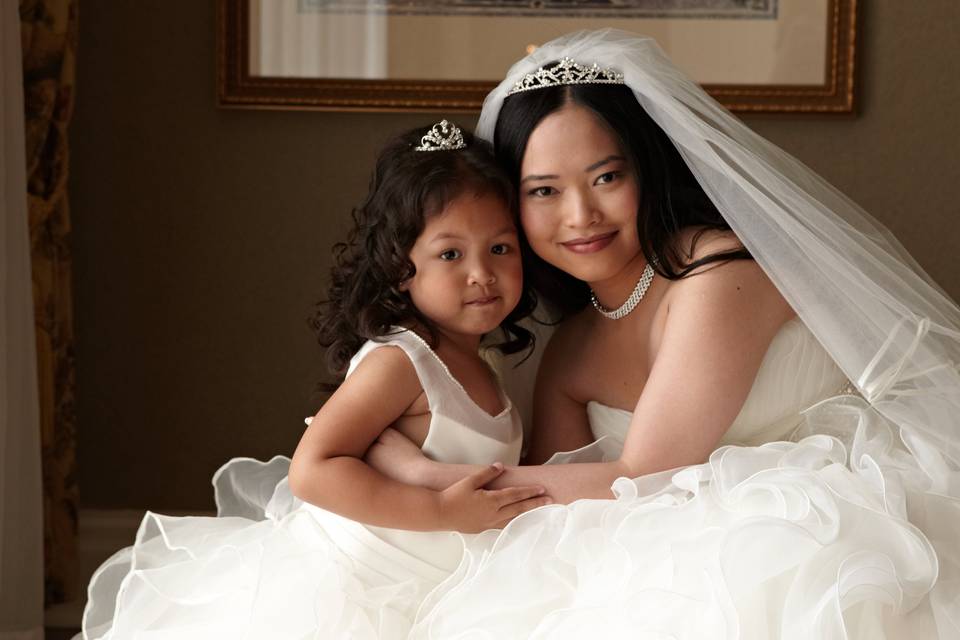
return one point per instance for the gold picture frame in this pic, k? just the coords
(238, 87)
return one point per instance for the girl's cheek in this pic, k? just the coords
(517, 272)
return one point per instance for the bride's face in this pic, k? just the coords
(579, 196)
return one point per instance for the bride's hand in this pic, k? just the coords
(397, 457)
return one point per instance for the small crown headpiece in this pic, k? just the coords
(443, 136)
(567, 71)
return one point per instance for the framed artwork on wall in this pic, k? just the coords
(770, 56)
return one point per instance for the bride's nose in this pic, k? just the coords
(580, 210)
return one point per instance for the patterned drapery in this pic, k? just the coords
(49, 39)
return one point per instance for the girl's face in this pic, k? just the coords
(468, 274)
(579, 196)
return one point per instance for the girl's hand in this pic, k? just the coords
(397, 457)
(469, 508)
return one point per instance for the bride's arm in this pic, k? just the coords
(719, 325)
(398, 458)
(560, 418)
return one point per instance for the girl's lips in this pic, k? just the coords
(480, 302)
(591, 244)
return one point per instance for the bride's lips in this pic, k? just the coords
(590, 244)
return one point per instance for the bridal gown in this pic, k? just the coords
(271, 566)
(809, 521)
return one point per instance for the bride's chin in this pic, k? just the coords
(598, 271)
(594, 267)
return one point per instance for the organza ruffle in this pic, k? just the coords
(836, 535)
(842, 533)
(268, 566)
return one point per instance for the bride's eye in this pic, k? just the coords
(450, 254)
(607, 177)
(542, 192)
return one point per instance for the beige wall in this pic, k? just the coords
(201, 235)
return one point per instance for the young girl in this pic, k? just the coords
(336, 549)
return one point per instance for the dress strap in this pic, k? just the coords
(435, 377)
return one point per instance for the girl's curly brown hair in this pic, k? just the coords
(364, 299)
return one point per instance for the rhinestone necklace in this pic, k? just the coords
(631, 303)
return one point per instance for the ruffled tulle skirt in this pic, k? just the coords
(842, 533)
(845, 532)
(268, 566)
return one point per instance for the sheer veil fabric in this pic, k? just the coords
(893, 332)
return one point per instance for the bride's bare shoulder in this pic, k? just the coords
(725, 287)
(696, 243)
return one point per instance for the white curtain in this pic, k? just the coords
(21, 508)
(308, 40)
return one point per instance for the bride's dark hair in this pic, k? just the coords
(364, 299)
(671, 199)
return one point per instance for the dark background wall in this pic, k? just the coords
(202, 236)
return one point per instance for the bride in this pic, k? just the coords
(716, 301)
(753, 387)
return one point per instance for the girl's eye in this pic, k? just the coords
(542, 192)
(607, 177)
(500, 249)
(450, 254)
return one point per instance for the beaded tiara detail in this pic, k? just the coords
(443, 136)
(567, 71)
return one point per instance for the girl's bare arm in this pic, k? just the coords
(327, 468)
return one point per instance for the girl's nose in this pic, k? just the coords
(580, 210)
(481, 274)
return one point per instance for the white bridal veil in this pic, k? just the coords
(891, 330)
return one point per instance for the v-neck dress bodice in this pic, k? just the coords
(460, 430)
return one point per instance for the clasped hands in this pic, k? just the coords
(466, 502)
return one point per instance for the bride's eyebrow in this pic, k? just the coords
(533, 177)
(607, 160)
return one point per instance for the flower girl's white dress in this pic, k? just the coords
(270, 566)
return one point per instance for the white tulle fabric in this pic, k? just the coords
(271, 566)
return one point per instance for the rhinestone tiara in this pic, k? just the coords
(566, 71)
(443, 136)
